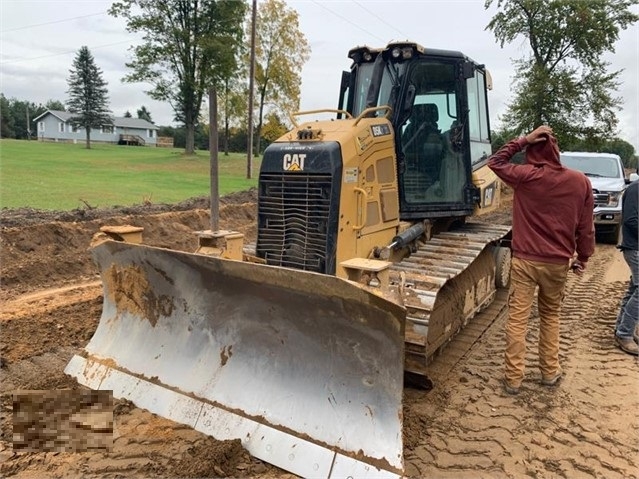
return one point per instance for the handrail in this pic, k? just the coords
(364, 195)
(372, 109)
(311, 112)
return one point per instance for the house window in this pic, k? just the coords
(40, 126)
(61, 127)
(74, 128)
(107, 129)
(149, 133)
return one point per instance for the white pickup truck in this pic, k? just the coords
(606, 174)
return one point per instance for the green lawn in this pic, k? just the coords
(57, 176)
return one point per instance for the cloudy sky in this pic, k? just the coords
(39, 40)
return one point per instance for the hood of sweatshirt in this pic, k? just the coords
(544, 153)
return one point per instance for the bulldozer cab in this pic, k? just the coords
(440, 118)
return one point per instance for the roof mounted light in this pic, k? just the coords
(399, 51)
(407, 52)
(363, 54)
(402, 53)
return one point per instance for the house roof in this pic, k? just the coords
(62, 115)
(120, 122)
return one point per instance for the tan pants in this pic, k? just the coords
(525, 276)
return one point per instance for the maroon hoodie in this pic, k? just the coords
(552, 205)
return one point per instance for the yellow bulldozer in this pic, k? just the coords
(368, 260)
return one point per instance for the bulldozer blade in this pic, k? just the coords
(305, 369)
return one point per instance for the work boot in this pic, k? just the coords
(627, 345)
(512, 390)
(552, 380)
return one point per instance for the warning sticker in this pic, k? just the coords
(350, 175)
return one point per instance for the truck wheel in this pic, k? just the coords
(503, 258)
(617, 235)
(614, 237)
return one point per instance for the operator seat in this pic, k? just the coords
(422, 140)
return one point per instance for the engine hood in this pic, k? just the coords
(607, 184)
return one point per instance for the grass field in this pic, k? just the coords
(58, 176)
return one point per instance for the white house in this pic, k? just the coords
(55, 125)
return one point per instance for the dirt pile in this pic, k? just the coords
(42, 249)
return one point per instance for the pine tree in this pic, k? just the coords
(88, 95)
(144, 114)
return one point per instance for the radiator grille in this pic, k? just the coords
(601, 199)
(293, 211)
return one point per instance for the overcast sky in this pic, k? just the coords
(39, 40)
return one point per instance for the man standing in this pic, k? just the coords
(627, 320)
(552, 217)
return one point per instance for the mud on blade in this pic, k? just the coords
(305, 369)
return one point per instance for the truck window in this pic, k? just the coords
(604, 166)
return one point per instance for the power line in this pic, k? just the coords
(51, 23)
(347, 20)
(401, 35)
(62, 53)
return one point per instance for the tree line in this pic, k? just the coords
(16, 116)
(232, 138)
(614, 145)
(16, 122)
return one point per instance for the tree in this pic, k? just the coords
(280, 53)
(144, 114)
(127, 114)
(232, 100)
(622, 148)
(88, 95)
(498, 139)
(21, 113)
(273, 128)
(16, 116)
(564, 82)
(188, 46)
(615, 145)
(55, 105)
(6, 119)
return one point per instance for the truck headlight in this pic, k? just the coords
(613, 198)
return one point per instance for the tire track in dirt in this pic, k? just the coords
(35, 329)
(48, 300)
(145, 445)
(472, 429)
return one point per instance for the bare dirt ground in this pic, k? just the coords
(466, 427)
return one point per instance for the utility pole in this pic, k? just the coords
(28, 127)
(249, 153)
(213, 141)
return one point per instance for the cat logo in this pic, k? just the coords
(294, 162)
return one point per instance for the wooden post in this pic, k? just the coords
(215, 192)
(249, 148)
